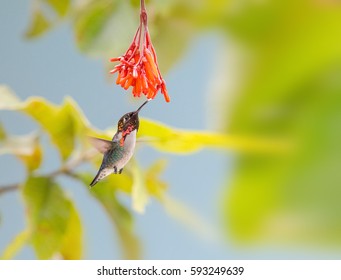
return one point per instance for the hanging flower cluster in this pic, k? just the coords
(138, 67)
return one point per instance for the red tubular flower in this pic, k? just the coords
(138, 67)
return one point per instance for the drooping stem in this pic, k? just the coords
(143, 14)
(142, 7)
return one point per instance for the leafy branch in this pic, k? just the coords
(49, 210)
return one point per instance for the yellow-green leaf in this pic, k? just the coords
(16, 245)
(48, 214)
(105, 193)
(38, 26)
(90, 24)
(56, 120)
(155, 185)
(33, 160)
(167, 25)
(72, 244)
(291, 89)
(63, 123)
(139, 193)
(8, 99)
(61, 7)
(2, 132)
(27, 148)
(172, 140)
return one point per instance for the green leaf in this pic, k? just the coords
(96, 29)
(49, 212)
(39, 25)
(27, 148)
(170, 36)
(61, 7)
(156, 187)
(65, 124)
(57, 121)
(8, 99)
(2, 132)
(14, 247)
(122, 219)
(292, 90)
(72, 244)
(171, 140)
(139, 193)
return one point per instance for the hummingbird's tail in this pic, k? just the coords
(95, 180)
(102, 173)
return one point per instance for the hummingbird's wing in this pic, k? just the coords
(101, 145)
(112, 151)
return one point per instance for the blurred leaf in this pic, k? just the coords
(57, 121)
(17, 243)
(2, 132)
(170, 36)
(63, 123)
(27, 148)
(135, 3)
(291, 90)
(32, 160)
(42, 20)
(171, 140)
(61, 7)
(155, 185)
(49, 214)
(182, 213)
(139, 193)
(66, 122)
(100, 33)
(8, 99)
(119, 215)
(72, 244)
(205, 15)
(38, 26)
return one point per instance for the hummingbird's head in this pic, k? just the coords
(130, 120)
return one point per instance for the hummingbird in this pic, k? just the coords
(120, 149)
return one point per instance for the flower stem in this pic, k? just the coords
(143, 28)
(143, 14)
(142, 6)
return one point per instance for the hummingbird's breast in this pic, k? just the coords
(126, 151)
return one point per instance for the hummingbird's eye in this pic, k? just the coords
(125, 118)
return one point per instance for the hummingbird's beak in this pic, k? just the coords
(138, 110)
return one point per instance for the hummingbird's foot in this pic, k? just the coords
(115, 169)
(119, 172)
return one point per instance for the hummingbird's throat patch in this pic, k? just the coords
(125, 133)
